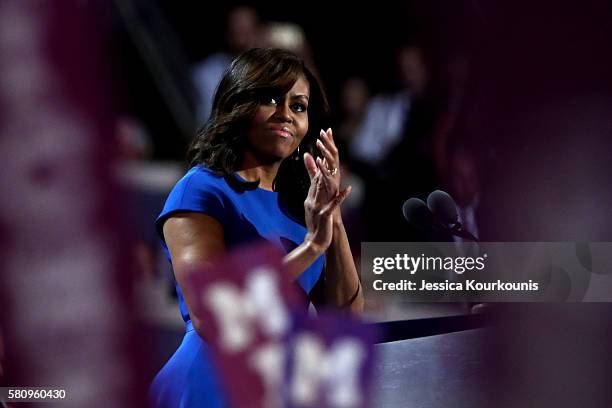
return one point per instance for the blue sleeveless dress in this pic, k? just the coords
(189, 378)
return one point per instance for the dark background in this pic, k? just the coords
(536, 109)
(346, 40)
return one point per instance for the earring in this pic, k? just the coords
(297, 156)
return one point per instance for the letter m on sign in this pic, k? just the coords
(244, 303)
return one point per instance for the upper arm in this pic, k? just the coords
(193, 239)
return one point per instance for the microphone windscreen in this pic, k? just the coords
(443, 206)
(417, 214)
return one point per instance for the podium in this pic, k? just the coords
(440, 362)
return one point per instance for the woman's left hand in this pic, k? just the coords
(329, 164)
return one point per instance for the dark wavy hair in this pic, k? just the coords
(251, 77)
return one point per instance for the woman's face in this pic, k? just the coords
(280, 123)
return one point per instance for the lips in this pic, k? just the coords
(283, 132)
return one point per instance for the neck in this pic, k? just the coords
(252, 169)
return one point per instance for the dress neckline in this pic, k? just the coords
(242, 179)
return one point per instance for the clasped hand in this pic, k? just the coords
(324, 196)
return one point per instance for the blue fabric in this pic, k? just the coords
(189, 379)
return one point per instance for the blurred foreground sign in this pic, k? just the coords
(268, 350)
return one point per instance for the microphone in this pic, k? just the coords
(445, 209)
(418, 214)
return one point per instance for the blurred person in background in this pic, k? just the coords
(135, 146)
(242, 33)
(449, 131)
(413, 153)
(133, 140)
(464, 186)
(391, 148)
(387, 114)
(354, 98)
(288, 36)
(254, 176)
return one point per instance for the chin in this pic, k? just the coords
(272, 156)
(279, 152)
(282, 157)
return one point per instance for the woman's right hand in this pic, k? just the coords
(319, 207)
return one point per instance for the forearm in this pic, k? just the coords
(342, 286)
(298, 260)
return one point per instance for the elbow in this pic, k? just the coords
(356, 308)
(356, 303)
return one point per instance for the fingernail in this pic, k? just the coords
(322, 132)
(319, 142)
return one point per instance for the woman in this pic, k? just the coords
(254, 175)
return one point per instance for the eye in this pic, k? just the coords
(299, 107)
(269, 100)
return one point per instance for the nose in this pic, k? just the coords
(283, 112)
